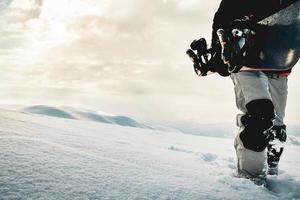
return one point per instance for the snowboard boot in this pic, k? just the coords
(275, 148)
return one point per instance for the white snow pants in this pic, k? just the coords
(249, 86)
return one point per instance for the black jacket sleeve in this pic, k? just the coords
(223, 17)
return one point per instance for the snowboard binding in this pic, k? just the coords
(201, 59)
(227, 59)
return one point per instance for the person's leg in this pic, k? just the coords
(278, 89)
(254, 100)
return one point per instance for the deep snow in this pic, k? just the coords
(45, 157)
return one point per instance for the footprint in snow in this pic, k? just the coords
(284, 186)
(208, 157)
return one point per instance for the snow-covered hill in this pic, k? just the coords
(87, 115)
(58, 158)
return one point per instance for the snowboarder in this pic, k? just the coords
(261, 95)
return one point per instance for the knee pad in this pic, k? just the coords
(260, 114)
(258, 119)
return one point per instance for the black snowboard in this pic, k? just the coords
(276, 46)
(275, 49)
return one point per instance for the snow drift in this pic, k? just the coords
(57, 158)
(72, 113)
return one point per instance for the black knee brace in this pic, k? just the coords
(258, 119)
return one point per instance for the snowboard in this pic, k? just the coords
(274, 46)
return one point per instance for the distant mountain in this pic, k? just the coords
(87, 115)
(293, 130)
(222, 129)
(50, 111)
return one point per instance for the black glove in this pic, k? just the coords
(226, 47)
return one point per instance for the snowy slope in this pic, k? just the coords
(56, 158)
(88, 115)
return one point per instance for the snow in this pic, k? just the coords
(87, 115)
(43, 157)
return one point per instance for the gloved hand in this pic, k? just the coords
(226, 47)
(226, 54)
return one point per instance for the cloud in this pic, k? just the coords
(127, 56)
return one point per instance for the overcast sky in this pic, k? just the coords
(123, 57)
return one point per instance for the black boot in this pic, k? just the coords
(275, 147)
